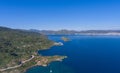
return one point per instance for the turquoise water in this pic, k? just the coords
(86, 54)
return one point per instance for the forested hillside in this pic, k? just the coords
(17, 45)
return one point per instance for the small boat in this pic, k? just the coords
(50, 71)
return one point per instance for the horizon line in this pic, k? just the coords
(60, 29)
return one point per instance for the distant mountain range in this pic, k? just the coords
(71, 32)
(74, 32)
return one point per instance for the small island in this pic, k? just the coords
(65, 39)
(18, 50)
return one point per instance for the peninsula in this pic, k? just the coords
(18, 50)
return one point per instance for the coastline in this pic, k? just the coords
(45, 60)
(55, 58)
(54, 44)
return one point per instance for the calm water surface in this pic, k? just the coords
(86, 54)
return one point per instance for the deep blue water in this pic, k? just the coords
(86, 54)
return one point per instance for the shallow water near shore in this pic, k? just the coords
(86, 54)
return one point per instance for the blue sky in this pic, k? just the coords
(60, 14)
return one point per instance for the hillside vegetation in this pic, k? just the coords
(17, 45)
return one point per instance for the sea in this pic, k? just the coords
(86, 54)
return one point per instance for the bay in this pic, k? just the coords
(86, 54)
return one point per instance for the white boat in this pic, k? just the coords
(50, 71)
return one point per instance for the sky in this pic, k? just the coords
(60, 14)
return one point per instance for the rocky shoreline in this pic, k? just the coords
(38, 60)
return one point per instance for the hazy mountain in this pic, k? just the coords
(74, 32)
